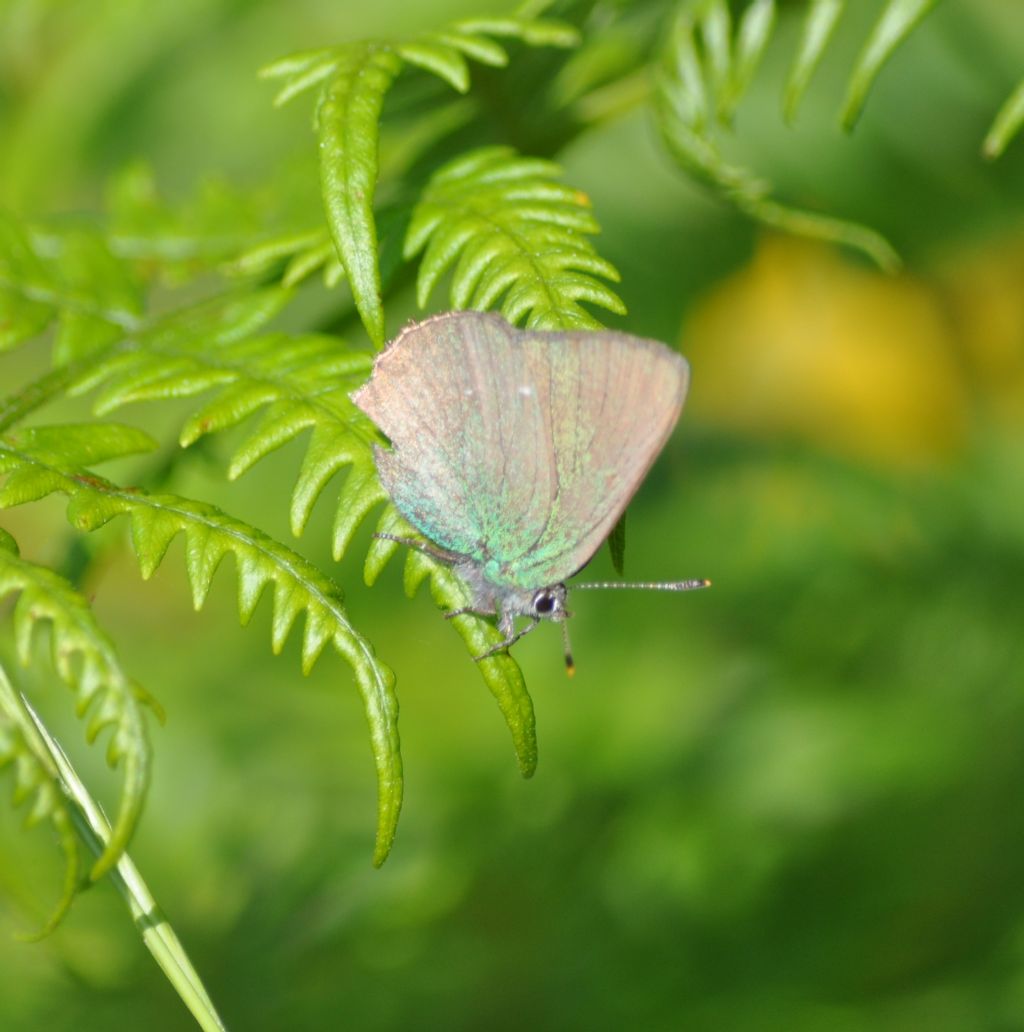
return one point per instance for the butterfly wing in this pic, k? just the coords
(613, 401)
(468, 463)
(520, 449)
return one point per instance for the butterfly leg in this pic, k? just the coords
(510, 640)
(440, 554)
(464, 611)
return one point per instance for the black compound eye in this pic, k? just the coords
(544, 604)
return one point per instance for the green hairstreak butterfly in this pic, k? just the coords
(515, 452)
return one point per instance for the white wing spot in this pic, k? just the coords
(526, 391)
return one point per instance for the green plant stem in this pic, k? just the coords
(94, 829)
(1006, 125)
(21, 403)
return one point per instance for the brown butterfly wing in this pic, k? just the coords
(612, 403)
(520, 449)
(469, 460)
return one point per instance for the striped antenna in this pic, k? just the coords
(679, 585)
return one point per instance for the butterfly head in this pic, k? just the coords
(549, 604)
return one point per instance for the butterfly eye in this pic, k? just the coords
(543, 603)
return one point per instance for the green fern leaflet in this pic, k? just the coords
(353, 80)
(513, 236)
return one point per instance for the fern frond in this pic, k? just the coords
(70, 277)
(297, 256)
(221, 320)
(752, 35)
(175, 242)
(501, 673)
(819, 24)
(36, 780)
(687, 119)
(299, 384)
(87, 662)
(1007, 124)
(440, 53)
(354, 79)
(347, 123)
(23, 285)
(302, 254)
(514, 235)
(90, 280)
(894, 24)
(298, 588)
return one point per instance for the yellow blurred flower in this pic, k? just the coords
(985, 290)
(803, 345)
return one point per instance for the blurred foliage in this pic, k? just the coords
(788, 803)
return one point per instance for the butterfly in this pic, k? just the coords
(515, 452)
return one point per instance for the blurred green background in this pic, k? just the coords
(791, 802)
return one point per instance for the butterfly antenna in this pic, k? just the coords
(570, 665)
(679, 585)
